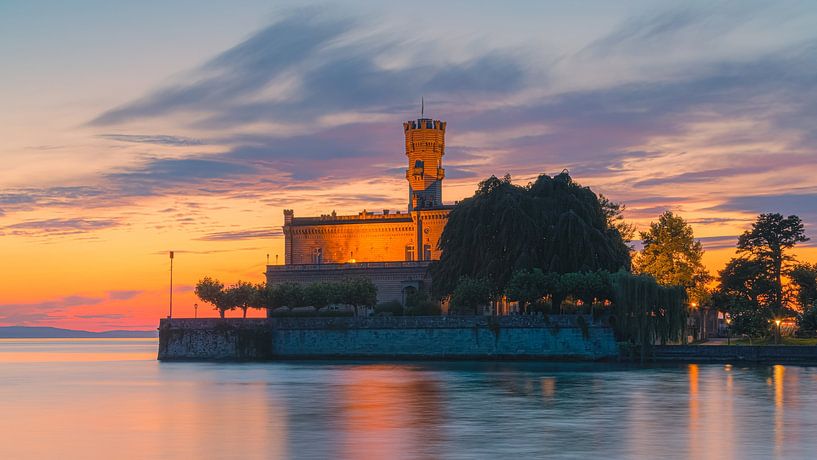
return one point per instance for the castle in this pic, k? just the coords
(393, 250)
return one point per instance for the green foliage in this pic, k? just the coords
(289, 295)
(804, 278)
(526, 287)
(807, 321)
(212, 291)
(469, 295)
(241, 295)
(553, 224)
(424, 308)
(390, 308)
(673, 257)
(645, 312)
(766, 243)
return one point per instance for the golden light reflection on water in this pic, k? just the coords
(76, 350)
(88, 408)
(778, 372)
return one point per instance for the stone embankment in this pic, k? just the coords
(737, 353)
(443, 337)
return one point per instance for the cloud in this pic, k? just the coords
(103, 316)
(58, 227)
(243, 235)
(153, 139)
(123, 295)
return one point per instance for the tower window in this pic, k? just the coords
(317, 256)
(418, 164)
(427, 252)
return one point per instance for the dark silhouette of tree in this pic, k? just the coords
(470, 295)
(526, 287)
(212, 291)
(804, 278)
(673, 257)
(766, 243)
(553, 224)
(242, 295)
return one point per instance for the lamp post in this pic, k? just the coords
(170, 315)
(779, 338)
(195, 310)
(728, 330)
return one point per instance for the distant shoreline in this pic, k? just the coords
(27, 332)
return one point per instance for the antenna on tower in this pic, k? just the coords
(422, 107)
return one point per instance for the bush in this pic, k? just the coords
(807, 322)
(425, 308)
(324, 313)
(390, 308)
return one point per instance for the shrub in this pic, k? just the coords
(390, 308)
(425, 308)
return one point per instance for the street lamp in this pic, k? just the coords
(728, 330)
(170, 315)
(195, 310)
(777, 321)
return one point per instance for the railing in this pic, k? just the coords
(349, 266)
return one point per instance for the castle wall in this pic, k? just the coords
(364, 238)
(390, 278)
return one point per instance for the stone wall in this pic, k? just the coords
(736, 353)
(390, 278)
(383, 338)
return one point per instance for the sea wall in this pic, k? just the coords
(556, 338)
(736, 353)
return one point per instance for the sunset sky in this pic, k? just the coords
(133, 128)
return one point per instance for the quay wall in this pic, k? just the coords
(736, 353)
(440, 337)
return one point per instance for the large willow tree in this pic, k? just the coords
(553, 224)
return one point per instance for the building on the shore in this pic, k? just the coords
(393, 249)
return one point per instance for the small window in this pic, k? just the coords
(427, 252)
(419, 164)
(317, 256)
(409, 253)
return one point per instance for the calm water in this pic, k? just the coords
(111, 399)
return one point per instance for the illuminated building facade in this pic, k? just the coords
(393, 249)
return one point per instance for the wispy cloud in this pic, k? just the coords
(243, 235)
(176, 141)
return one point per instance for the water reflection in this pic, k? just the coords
(137, 408)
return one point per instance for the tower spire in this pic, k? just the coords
(422, 107)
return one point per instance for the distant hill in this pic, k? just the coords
(25, 332)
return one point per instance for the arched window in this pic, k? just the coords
(409, 252)
(317, 256)
(419, 164)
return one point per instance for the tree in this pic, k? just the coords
(319, 294)
(804, 278)
(645, 312)
(743, 292)
(766, 242)
(290, 295)
(242, 295)
(614, 213)
(469, 295)
(358, 292)
(552, 224)
(673, 257)
(211, 291)
(526, 287)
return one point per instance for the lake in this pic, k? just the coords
(110, 398)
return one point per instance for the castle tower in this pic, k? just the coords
(425, 147)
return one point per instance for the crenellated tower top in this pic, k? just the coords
(425, 147)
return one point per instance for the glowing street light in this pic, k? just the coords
(777, 322)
